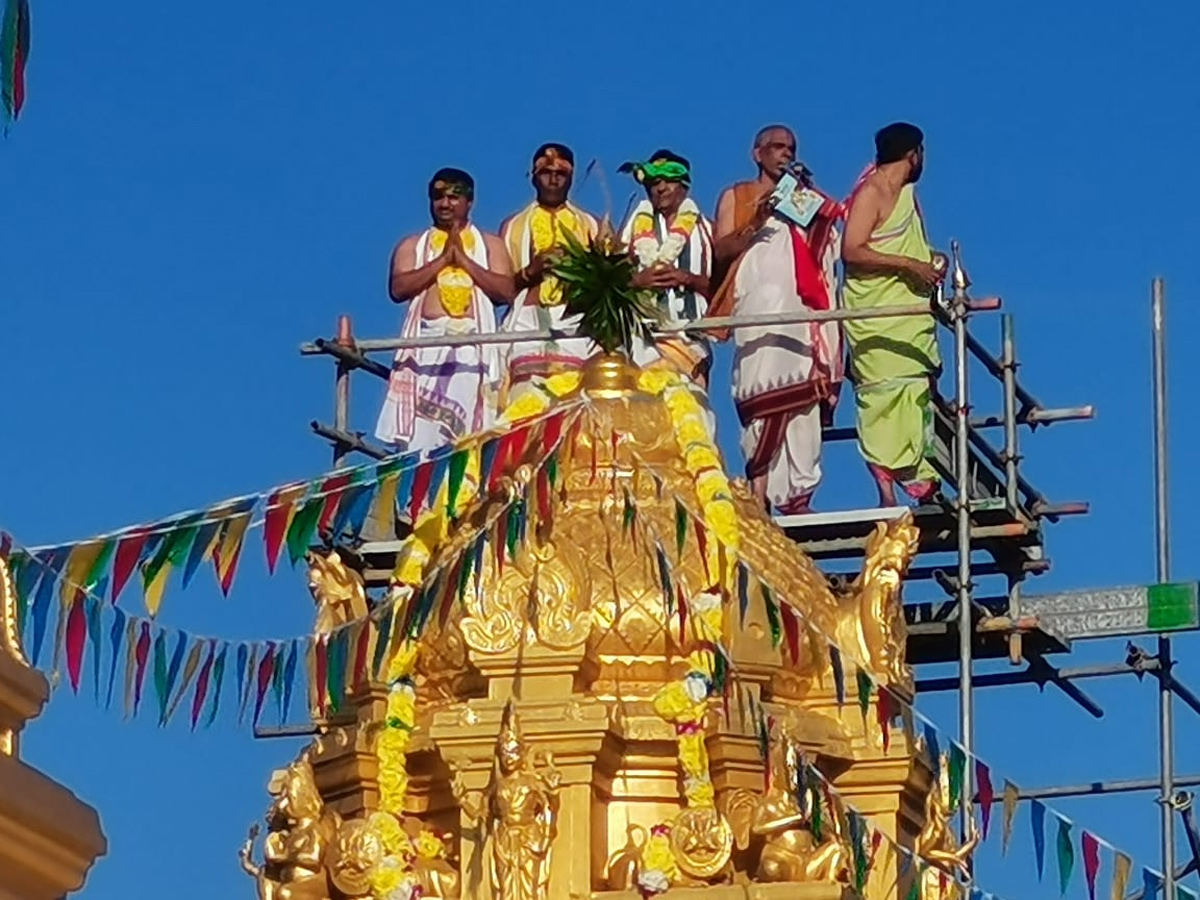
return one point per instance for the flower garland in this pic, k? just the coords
(455, 285)
(646, 246)
(394, 878)
(546, 228)
(432, 527)
(658, 868)
(536, 396)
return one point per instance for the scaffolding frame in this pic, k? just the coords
(991, 526)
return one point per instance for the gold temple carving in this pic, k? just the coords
(544, 760)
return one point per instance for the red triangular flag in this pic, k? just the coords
(266, 668)
(141, 654)
(1091, 861)
(129, 551)
(361, 646)
(883, 710)
(791, 631)
(202, 683)
(552, 431)
(75, 640)
(280, 506)
(421, 479)
(333, 489)
(520, 443)
(321, 666)
(987, 794)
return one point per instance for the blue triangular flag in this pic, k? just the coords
(43, 602)
(289, 676)
(405, 486)
(487, 457)
(1037, 820)
(356, 504)
(1152, 883)
(201, 545)
(935, 751)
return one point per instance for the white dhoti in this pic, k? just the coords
(529, 361)
(436, 395)
(783, 374)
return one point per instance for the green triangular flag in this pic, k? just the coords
(458, 469)
(772, 614)
(1066, 855)
(864, 690)
(816, 813)
(681, 520)
(303, 526)
(958, 764)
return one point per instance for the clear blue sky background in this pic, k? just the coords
(197, 188)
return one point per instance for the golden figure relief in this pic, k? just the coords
(519, 812)
(872, 616)
(338, 591)
(623, 866)
(436, 875)
(937, 843)
(783, 824)
(300, 841)
(701, 842)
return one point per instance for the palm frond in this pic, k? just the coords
(597, 287)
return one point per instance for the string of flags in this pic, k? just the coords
(786, 623)
(87, 625)
(337, 505)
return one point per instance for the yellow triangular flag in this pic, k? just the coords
(231, 539)
(79, 563)
(1121, 866)
(1011, 797)
(154, 590)
(384, 514)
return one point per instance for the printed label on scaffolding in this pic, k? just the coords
(1118, 612)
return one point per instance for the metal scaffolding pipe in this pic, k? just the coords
(962, 462)
(696, 325)
(1096, 788)
(1162, 531)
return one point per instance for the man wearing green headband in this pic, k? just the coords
(785, 377)
(451, 275)
(672, 243)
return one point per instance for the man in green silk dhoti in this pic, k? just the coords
(894, 361)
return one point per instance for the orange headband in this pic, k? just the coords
(552, 161)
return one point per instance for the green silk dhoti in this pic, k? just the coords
(893, 360)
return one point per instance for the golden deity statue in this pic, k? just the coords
(300, 841)
(519, 811)
(337, 590)
(782, 822)
(937, 843)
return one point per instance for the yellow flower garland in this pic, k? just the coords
(455, 285)
(547, 229)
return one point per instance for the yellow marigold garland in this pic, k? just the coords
(455, 285)
(395, 877)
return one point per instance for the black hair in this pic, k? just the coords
(561, 149)
(896, 141)
(450, 176)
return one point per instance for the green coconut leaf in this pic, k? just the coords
(597, 287)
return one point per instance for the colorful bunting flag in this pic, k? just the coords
(303, 527)
(1122, 866)
(14, 55)
(1152, 883)
(958, 766)
(201, 692)
(1011, 797)
(839, 674)
(1037, 821)
(1091, 860)
(987, 794)
(229, 544)
(76, 636)
(281, 506)
(218, 680)
(115, 633)
(1065, 852)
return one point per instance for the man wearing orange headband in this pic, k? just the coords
(534, 237)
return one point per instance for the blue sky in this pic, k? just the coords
(197, 188)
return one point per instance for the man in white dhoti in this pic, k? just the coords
(453, 274)
(672, 243)
(785, 377)
(535, 237)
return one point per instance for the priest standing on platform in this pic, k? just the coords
(451, 274)
(785, 377)
(535, 237)
(893, 361)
